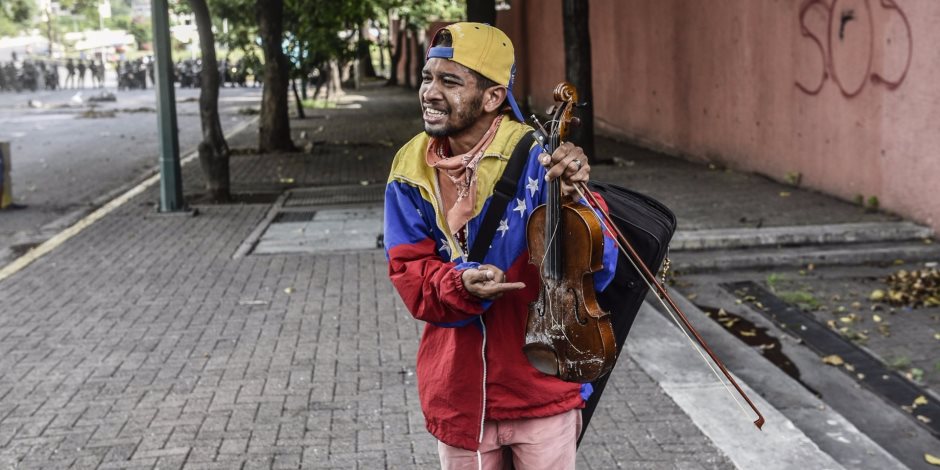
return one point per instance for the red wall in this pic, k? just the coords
(718, 81)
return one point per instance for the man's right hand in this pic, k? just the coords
(488, 282)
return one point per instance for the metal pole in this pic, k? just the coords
(171, 182)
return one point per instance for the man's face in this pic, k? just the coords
(450, 99)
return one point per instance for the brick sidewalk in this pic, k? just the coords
(141, 343)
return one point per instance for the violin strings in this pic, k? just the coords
(671, 314)
(556, 325)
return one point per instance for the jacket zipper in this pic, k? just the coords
(483, 355)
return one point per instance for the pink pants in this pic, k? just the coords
(534, 443)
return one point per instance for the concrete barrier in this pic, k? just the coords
(6, 186)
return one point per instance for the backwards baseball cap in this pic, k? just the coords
(483, 49)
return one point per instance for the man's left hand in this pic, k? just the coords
(569, 163)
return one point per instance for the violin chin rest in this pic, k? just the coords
(542, 358)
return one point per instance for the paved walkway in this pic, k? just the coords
(141, 343)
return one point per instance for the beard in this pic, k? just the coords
(464, 118)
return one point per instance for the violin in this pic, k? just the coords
(568, 335)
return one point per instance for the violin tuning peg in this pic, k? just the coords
(550, 110)
(575, 122)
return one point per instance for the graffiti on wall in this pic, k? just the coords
(836, 21)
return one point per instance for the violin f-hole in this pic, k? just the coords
(576, 307)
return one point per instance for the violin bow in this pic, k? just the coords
(650, 279)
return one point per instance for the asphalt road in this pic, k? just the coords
(63, 159)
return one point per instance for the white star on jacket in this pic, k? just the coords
(520, 207)
(532, 186)
(503, 227)
(445, 247)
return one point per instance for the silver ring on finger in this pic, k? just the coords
(577, 162)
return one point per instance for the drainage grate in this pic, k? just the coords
(296, 216)
(868, 370)
(350, 194)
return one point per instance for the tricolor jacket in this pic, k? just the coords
(470, 364)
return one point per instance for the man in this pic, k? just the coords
(81, 73)
(481, 398)
(70, 73)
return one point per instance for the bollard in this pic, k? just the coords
(6, 186)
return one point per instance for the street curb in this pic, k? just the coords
(828, 234)
(122, 196)
(826, 255)
(671, 362)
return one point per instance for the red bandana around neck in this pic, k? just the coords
(457, 176)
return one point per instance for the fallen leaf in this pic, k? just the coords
(289, 290)
(920, 401)
(287, 180)
(932, 460)
(860, 376)
(923, 419)
(849, 367)
(876, 318)
(884, 329)
(784, 194)
(833, 360)
(936, 336)
(749, 333)
(846, 319)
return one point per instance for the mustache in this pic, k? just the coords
(445, 109)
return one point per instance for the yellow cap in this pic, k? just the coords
(483, 49)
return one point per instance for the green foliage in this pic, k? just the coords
(803, 299)
(15, 15)
(420, 13)
(901, 362)
(319, 104)
(318, 31)
(772, 280)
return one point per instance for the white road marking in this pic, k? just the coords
(61, 237)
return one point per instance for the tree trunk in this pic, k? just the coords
(409, 55)
(396, 57)
(335, 85)
(300, 104)
(382, 46)
(482, 11)
(367, 68)
(419, 59)
(321, 79)
(578, 72)
(274, 125)
(213, 150)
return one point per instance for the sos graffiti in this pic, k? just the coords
(837, 22)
